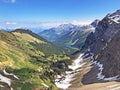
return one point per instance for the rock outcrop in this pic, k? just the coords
(104, 43)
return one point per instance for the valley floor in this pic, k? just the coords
(99, 86)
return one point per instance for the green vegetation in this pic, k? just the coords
(34, 60)
(74, 41)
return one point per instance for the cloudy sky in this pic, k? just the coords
(48, 13)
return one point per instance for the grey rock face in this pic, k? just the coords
(110, 57)
(95, 23)
(105, 30)
(105, 44)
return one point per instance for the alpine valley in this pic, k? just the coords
(96, 66)
(67, 57)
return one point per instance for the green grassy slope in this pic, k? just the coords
(34, 60)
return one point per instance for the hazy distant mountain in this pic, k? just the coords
(75, 38)
(68, 34)
(10, 26)
(54, 33)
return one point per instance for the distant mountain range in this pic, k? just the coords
(69, 35)
(54, 33)
(75, 38)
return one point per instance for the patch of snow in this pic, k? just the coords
(94, 62)
(86, 55)
(100, 76)
(5, 80)
(63, 82)
(75, 33)
(1, 86)
(92, 54)
(88, 49)
(90, 29)
(11, 89)
(115, 18)
(59, 76)
(75, 41)
(62, 85)
(77, 63)
(111, 78)
(11, 74)
(72, 32)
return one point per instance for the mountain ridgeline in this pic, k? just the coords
(34, 60)
(104, 43)
(75, 38)
(42, 61)
(69, 35)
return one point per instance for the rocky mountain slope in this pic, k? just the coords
(29, 62)
(104, 46)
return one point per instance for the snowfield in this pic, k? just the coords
(11, 74)
(63, 82)
(6, 79)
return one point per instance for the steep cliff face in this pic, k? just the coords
(104, 44)
(106, 29)
(110, 57)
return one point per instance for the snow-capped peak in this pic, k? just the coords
(66, 26)
(115, 16)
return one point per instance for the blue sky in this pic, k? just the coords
(55, 10)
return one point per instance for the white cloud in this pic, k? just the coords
(10, 23)
(76, 22)
(9, 1)
(57, 23)
(51, 24)
(41, 25)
